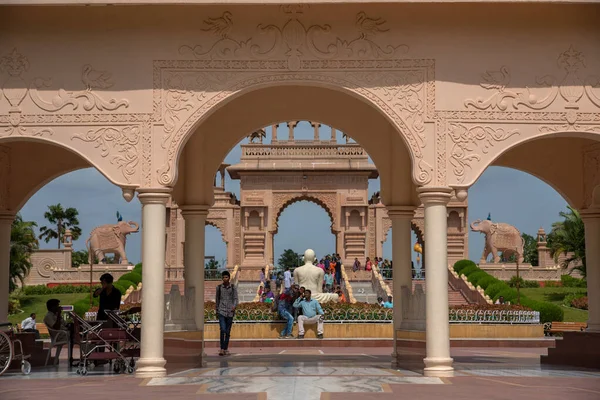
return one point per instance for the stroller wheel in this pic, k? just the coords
(25, 367)
(117, 368)
(132, 363)
(130, 370)
(84, 372)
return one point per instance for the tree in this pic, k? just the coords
(568, 237)
(22, 243)
(289, 258)
(530, 252)
(212, 264)
(81, 257)
(63, 219)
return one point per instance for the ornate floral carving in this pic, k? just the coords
(468, 140)
(46, 267)
(147, 154)
(372, 239)
(294, 41)
(386, 225)
(408, 102)
(216, 214)
(237, 241)
(571, 87)
(123, 140)
(440, 150)
(16, 88)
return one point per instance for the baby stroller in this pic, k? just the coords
(98, 343)
(131, 345)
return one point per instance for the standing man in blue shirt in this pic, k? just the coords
(312, 313)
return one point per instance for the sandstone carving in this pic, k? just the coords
(110, 238)
(499, 237)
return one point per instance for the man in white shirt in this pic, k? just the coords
(287, 278)
(28, 325)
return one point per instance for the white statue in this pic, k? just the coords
(311, 277)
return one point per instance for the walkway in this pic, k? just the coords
(321, 374)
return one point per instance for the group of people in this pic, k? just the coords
(377, 261)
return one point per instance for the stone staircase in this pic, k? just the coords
(455, 297)
(576, 349)
(363, 292)
(247, 291)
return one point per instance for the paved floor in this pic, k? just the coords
(320, 374)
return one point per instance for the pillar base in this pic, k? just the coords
(438, 367)
(151, 368)
(593, 327)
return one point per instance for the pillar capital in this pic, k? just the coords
(590, 213)
(154, 196)
(401, 212)
(435, 195)
(195, 210)
(7, 217)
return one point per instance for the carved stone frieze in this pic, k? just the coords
(16, 88)
(468, 142)
(122, 142)
(569, 86)
(408, 104)
(440, 150)
(294, 41)
(386, 226)
(216, 214)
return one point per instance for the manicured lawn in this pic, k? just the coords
(556, 295)
(37, 304)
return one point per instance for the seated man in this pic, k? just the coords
(28, 325)
(312, 313)
(389, 303)
(58, 329)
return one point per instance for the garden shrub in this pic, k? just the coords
(508, 294)
(124, 283)
(487, 281)
(476, 276)
(569, 281)
(469, 270)
(495, 288)
(36, 290)
(138, 268)
(580, 302)
(548, 312)
(122, 288)
(132, 277)
(552, 284)
(522, 283)
(573, 298)
(461, 264)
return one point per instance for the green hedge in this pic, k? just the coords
(495, 288)
(124, 284)
(522, 283)
(138, 268)
(132, 277)
(569, 281)
(60, 289)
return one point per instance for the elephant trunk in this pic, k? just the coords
(475, 225)
(134, 225)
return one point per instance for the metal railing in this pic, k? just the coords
(255, 316)
(494, 316)
(388, 274)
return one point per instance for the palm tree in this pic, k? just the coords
(568, 237)
(22, 243)
(63, 219)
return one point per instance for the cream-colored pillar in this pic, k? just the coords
(437, 335)
(6, 221)
(152, 363)
(591, 219)
(401, 258)
(193, 259)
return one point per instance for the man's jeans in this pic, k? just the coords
(225, 325)
(290, 322)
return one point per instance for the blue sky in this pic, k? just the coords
(510, 196)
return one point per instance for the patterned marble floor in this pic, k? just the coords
(274, 374)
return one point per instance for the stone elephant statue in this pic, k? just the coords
(110, 238)
(499, 237)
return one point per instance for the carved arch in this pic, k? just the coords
(414, 76)
(221, 225)
(328, 201)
